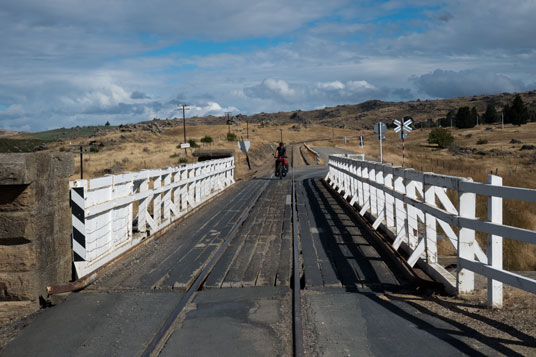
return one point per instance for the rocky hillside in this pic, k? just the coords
(364, 115)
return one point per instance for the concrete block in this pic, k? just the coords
(17, 169)
(20, 286)
(35, 223)
(21, 258)
(16, 198)
(13, 226)
(13, 169)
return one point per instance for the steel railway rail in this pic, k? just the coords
(159, 340)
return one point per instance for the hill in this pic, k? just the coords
(366, 114)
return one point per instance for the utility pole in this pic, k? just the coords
(502, 120)
(184, 123)
(228, 121)
(81, 163)
(281, 130)
(247, 129)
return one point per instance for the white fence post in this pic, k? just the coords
(413, 231)
(401, 216)
(107, 204)
(389, 199)
(466, 238)
(495, 245)
(431, 224)
(422, 197)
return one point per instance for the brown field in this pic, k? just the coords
(140, 149)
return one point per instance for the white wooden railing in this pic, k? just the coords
(313, 152)
(115, 212)
(409, 206)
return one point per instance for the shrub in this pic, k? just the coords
(231, 137)
(206, 139)
(192, 143)
(482, 141)
(62, 149)
(94, 149)
(183, 160)
(172, 156)
(440, 136)
(468, 135)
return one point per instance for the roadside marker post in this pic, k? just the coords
(244, 147)
(380, 129)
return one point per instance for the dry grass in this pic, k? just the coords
(145, 150)
(517, 167)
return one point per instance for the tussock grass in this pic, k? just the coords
(516, 167)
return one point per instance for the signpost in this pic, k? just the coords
(361, 141)
(404, 128)
(244, 147)
(380, 129)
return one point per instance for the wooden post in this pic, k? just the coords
(412, 215)
(373, 191)
(431, 225)
(157, 201)
(389, 199)
(400, 212)
(465, 279)
(495, 245)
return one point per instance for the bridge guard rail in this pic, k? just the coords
(411, 205)
(313, 152)
(114, 213)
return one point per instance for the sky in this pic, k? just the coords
(65, 63)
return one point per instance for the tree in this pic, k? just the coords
(440, 136)
(518, 112)
(444, 122)
(206, 139)
(507, 114)
(490, 116)
(231, 137)
(464, 118)
(107, 123)
(451, 116)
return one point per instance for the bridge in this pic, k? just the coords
(334, 259)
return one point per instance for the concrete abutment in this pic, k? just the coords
(35, 224)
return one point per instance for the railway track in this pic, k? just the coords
(157, 343)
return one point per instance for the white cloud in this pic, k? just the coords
(447, 84)
(211, 108)
(71, 63)
(335, 85)
(272, 89)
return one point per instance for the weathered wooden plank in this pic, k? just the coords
(243, 258)
(318, 221)
(313, 277)
(268, 270)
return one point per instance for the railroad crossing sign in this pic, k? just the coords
(403, 128)
(402, 125)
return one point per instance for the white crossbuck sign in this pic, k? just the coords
(406, 124)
